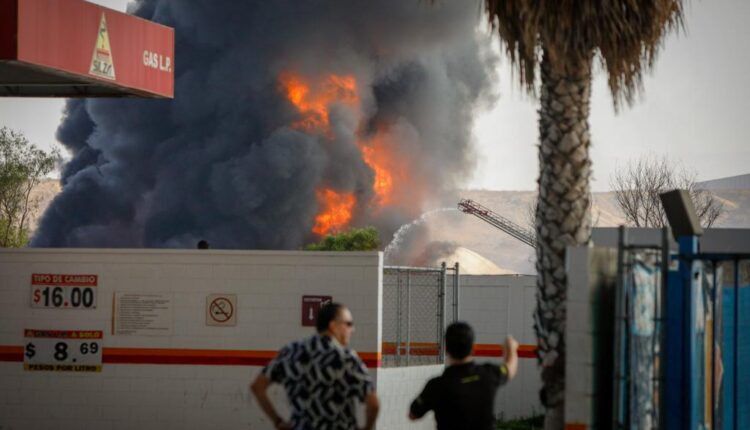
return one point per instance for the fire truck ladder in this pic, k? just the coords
(471, 207)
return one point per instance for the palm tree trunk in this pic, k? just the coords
(562, 216)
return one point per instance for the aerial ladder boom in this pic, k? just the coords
(504, 224)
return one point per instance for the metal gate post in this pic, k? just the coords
(620, 418)
(664, 323)
(736, 349)
(688, 248)
(408, 317)
(674, 351)
(398, 318)
(715, 296)
(441, 314)
(456, 297)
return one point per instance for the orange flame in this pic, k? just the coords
(394, 184)
(313, 103)
(379, 151)
(336, 211)
(383, 183)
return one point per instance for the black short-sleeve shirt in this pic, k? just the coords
(463, 397)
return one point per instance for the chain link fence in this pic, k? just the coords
(418, 303)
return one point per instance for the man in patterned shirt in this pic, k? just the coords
(322, 378)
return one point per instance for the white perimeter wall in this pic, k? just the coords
(496, 306)
(403, 385)
(269, 286)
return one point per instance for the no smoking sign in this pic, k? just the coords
(221, 310)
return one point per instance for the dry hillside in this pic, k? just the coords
(475, 235)
(42, 195)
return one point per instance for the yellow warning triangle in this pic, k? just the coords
(102, 63)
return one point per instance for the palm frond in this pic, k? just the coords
(627, 35)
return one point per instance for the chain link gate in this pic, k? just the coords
(418, 304)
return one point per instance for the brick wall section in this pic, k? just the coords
(269, 286)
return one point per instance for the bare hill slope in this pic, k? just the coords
(474, 234)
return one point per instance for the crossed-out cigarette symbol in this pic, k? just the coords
(221, 310)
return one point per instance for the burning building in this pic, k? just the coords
(290, 120)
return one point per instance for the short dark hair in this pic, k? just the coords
(459, 340)
(326, 314)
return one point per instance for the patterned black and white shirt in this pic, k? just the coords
(322, 380)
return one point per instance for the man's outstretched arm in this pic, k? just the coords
(511, 356)
(259, 388)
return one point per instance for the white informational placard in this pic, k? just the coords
(221, 310)
(62, 350)
(63, 291)
(143, 314)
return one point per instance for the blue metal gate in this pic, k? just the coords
(682, 338)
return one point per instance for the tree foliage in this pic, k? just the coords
(355, 239)
(22, 167)
(637, 187)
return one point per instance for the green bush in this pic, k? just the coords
(355, 239)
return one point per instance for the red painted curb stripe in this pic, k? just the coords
(183, 359)
(11, 353)
(493, 350)
(480, 350)
(247, 358)
(215, 357)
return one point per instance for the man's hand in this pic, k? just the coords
(511, 356)
(372, 407)
(259, 387)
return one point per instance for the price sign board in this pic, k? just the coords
(63, 350)
(58, 291)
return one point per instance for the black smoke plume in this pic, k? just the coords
(220, 162)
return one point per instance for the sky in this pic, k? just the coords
(693, 109)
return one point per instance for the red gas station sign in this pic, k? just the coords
(311, 306)
(74, 48)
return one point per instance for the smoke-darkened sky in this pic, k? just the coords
(224, 160)
(691, 109)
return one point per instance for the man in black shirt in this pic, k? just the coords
(463, 397)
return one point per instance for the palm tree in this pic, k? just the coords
(560, 40)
